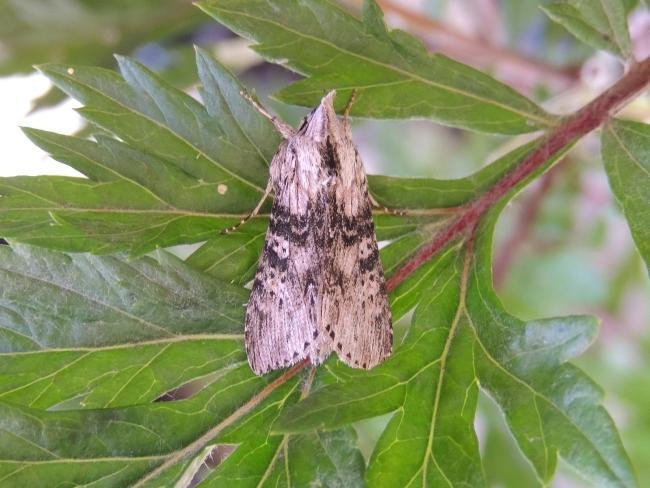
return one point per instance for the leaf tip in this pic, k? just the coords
(31, 133)
(45, 68)
(373, 18)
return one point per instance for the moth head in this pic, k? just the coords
(322, 121)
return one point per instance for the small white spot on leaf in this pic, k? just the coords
(222, 189)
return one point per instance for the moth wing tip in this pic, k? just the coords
(328, 99)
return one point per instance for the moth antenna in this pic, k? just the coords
(255, 211)
(348, 106)
(283, 128)
(378, 205)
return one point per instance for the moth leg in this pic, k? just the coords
(378, 205)
(283, 128)
(348, 106)
(267, 192)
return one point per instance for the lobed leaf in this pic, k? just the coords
(103, 331)
(267, 459)
(114, 337)
(112, 447)
(178, 174)
(151, 188)
(394, 74)
(551, 406)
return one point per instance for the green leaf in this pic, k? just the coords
(551, 406)
(178, 174)
(264, 459)
(232, 257)
(461, 338)
(150, 115)
(411, 192)
(122, 333)
(599, 23)
(626, 154)
(121, 444)
(105, 331)
(394, 74)
(242, 125)
(97, 344)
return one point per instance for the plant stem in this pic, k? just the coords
(569, 130)
(202, 441)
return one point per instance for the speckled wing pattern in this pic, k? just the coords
(355, 310)
(319, 285)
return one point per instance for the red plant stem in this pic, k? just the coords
(557, 139)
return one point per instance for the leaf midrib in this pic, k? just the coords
(171, 211)
(240, 128)
(244, 246)
(84, 460)
(94, 300)
(441, 375)
(99, 349)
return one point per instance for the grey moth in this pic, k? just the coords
(319, 286)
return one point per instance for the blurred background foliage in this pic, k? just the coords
(561, 247)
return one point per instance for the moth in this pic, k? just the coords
(319, 286)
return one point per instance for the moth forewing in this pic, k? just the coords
(319, 285)
(284, 307)
(355, 304)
